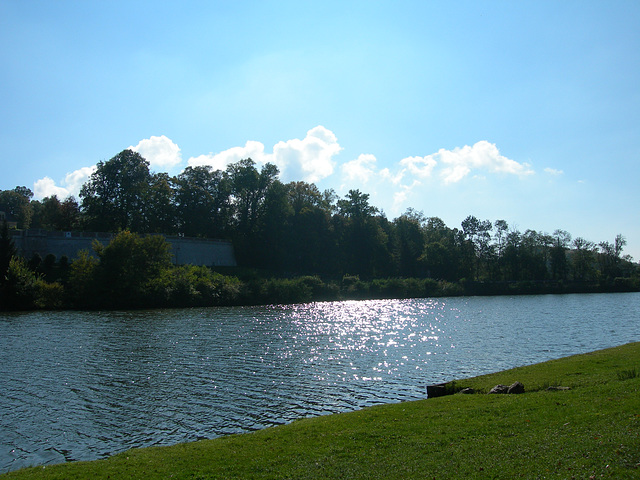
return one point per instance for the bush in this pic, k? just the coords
(20, 288)
(49, 295)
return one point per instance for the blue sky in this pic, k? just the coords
(525, 111)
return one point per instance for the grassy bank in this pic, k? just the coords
(591, 430)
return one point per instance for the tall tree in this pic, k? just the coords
(16, 204)
(410, 242)
(115, 197)
(7, 250)
(57, 215)
(363, 241)
(160, 205)
(583, 259)
(558, 254)
(249, 189)
(128, 265)
(203, 202)
(478, 233)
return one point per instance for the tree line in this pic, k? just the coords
(294, 229)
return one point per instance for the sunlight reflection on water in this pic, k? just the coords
(85, 385)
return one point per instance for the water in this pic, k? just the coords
(79, 386)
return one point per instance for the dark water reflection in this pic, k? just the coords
(80, 385)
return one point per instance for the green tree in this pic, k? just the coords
(56, 215)
(249, 189)
(128, 265)
(310, 243)
(203, 202)
(7, 250)
(410, 242)
(274, 228)
(478, 234)
(16, 204)
(447, 255)
(115, 197)
(160, 205)
(610, 257)
(558, 254)
(82, 282)
(20, 288)
(363, 242)
(583, 259)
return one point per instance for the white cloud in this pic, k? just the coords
(309, 159)
(362, 169)
(219, 161)
(419, 166)
(483, 155)
(160, 151)
(46, 187)
(71, 185)
(553, 171)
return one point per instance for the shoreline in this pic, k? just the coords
(590, 383)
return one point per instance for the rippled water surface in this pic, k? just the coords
(80, 385)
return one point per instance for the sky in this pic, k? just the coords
(524, 111)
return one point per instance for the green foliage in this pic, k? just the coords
(128, 265)
(49, 296)
(7, 250)
(115, 197)
(81, 286)
(16, 204)
(21, 286)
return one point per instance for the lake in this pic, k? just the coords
(85, 385)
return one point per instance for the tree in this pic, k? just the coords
(609, 257)
(583, 259)
(115, 197)
(558, 254)
(81, 284)
(362, 240)
(7, 250)
(477, 232)
(16, 204)
(128, 265)
(356, 205)
(410, 242)
(203, 203)
(57, 215)
(161, 207)
(249, 189)
(447, 255)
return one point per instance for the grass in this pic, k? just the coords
(591, 430)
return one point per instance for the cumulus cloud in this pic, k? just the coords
(360, 170)
(160, 151)
(46, 187)
(421, 167)
(309, 159)
(219, 161)
(71, 184)
(459, 162)
(398, 182)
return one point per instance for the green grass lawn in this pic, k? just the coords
(591, 430)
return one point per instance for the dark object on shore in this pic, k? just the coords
(467, 391)
(514, 388)
(499, 389)
(439, 390)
